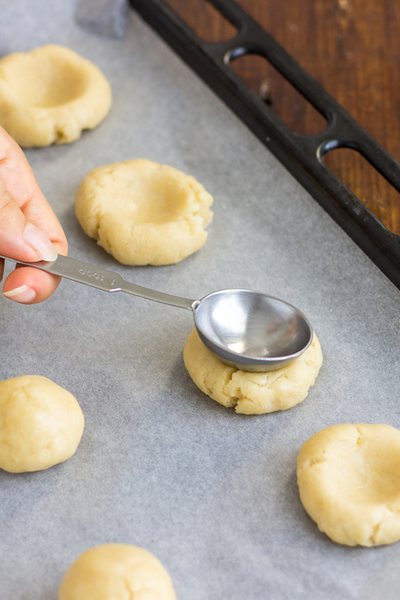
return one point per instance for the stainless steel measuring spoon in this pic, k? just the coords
(249, 330)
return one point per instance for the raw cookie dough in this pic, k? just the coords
(144, 213)
(49, 95)
(41, 424)
(251, 393)
(348, 477)
(116, 572)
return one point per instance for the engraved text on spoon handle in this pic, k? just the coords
(103, 279)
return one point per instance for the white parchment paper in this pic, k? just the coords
(212, 494)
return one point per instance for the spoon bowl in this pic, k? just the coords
(250, 330)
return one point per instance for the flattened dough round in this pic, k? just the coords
(348, 477)
(50, 94)
(116, 572)
(41, 424)
(251, 393)
(144, 213)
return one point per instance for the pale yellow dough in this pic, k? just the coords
(143, 213)
(116, 572)
(251, 393)
(348, 477)
(50, 94)
(41, 424)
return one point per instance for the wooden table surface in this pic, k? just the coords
(352, 48)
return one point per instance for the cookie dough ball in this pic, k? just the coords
(251, 393)
(348, 477)
(49, 95)
(116, 572)
(144, 213)
(41, 424)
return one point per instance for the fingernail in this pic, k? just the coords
(39, 242)
(21, 294)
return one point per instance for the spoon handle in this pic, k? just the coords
(102, 279)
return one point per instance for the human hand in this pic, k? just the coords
(29, 229)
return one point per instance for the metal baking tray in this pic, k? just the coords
(301, 154)
(211, 493)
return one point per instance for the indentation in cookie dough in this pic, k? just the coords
(348, 477)
(41, 424)
(143, 213)
(50, 94)
(251, 393)
(118, 572)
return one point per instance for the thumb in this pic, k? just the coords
(20, 239)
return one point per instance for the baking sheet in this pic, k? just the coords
(212, 494)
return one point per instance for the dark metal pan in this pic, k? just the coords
(300, 154)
